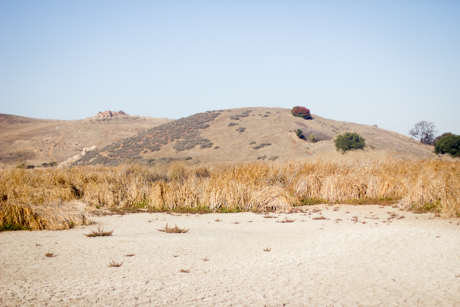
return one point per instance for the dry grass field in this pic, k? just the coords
(61, 198)
(37, 141)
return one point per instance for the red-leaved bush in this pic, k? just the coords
(301, 112)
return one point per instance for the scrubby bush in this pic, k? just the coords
(301, 112)
(448, 143)
(349, 141)
(261, 146)
(312, 138)
(299, 134)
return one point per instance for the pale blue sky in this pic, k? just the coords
(391, 63)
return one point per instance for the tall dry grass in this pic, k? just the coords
(46, 198)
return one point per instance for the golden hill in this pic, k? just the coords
(250, 134)
(37, 141)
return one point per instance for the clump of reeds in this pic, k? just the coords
(47, 198)
(46, 216)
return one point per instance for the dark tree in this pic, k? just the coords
(301, 112)
(349, 141)
(448, 143)
(425, 131)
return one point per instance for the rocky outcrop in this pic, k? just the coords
(108, 114)
(75, 158)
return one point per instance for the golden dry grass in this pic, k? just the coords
(53, 198)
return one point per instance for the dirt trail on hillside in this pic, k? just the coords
(350, 256)
(60, 138)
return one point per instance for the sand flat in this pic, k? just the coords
(410, 261)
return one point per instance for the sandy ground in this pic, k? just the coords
(410, 261)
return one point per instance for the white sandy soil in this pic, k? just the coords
(410, 261)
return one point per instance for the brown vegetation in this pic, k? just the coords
(53, 198)
(113, 264)
(99, 232)
(175, 229)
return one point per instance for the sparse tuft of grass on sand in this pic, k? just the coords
(113, 264)
(286, 220)
(99, 232)
(170, 229)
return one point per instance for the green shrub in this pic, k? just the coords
(23, 165)
(299, 134)
(313, 138)
(349, 141)
(448, 143)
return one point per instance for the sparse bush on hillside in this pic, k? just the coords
(23, 165)
(238, 116)
(299, 134)
(301, 112)
(312, 138)
(261, 146)
(448, 143)
(241, 129)
(50, 164)
(349, 141)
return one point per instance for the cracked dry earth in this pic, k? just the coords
(328, 256)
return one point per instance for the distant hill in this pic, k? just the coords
(37, 141)
(249, 134)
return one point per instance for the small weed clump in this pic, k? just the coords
(286, 220)
(175, 229)
(267, 249)
(113, 264)
(99, 232)
(50, 255)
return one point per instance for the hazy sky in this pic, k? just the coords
(391, 63)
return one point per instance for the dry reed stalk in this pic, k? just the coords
(50, 216)
(26, 196)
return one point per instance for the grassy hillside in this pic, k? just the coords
(37, 141)
(250, 134)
